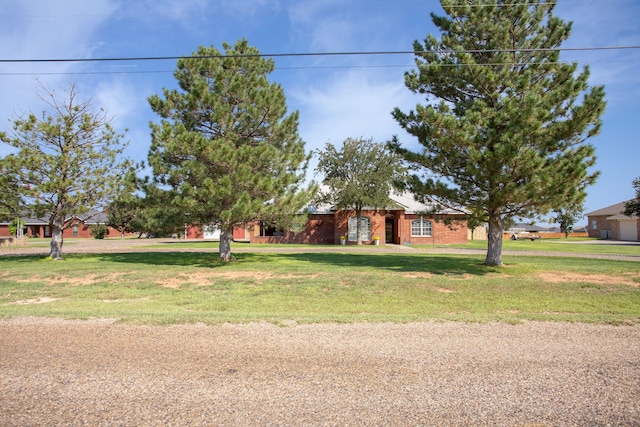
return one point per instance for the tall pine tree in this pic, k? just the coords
(226, 145)
(507, 137)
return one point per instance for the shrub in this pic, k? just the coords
(99, 231)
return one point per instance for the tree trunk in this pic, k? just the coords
(226, 234)
(494, 248)
(358, 227)
(57, 226)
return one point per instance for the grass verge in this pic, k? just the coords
(181, 287)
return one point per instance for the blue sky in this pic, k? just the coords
(337, 96)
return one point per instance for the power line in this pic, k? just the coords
(313, 67)
(317, 54)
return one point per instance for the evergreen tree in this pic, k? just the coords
(359, 175)
(507, 137)
(225, 145)
(9, 189)
(67, 161)
(126, 206)
(632, 207)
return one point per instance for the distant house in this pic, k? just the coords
(405, 222)
(611, 223)
(76, 226)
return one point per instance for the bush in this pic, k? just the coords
(99, 231)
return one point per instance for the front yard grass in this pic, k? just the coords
(572, 245)
(284, 288)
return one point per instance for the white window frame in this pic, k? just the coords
(425, 228)
(365, 228)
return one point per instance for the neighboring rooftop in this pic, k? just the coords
(613, 211)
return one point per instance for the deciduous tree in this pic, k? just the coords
(68, 160)
(567, 217)
(506, 121)
(359, 175)
(226, 145)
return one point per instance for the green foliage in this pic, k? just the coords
(67, 160)
(9, 188)
(359, 175)
(157, 216)
(125, 207)
(632, 207)
(144, 208)
(99, 231)
(13, 226)
(226, 146)
(567, 217)
(507, 138)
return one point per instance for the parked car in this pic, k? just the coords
(525, 235)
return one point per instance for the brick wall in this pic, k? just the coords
(602, 224)
(319, 230)
(445, 229)
(377, 219)
(327, 229)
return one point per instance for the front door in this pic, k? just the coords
(388, 230)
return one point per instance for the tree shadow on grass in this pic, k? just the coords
(404, 263)
(439, 264)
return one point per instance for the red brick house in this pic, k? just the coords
(611, 223)
(76, 226)
(407, 222)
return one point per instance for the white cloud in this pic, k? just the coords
(333, 25)
(601, 24)
(44, 30)
(351, 105)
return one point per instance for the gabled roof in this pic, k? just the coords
(402, 201)
(613, 212)
(90, 217)
(410, 205)
(29, 221)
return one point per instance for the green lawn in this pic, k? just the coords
(572, 245)
(163, 288)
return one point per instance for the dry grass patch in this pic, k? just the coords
(418, 275)
(202, 278)
(87, 280)
(599, 279)
(41, 300)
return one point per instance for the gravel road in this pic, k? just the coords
(91, 373)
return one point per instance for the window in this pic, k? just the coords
(75, 231)
(269, 230)
(421, 227)
(365, 228)
(594, 225)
